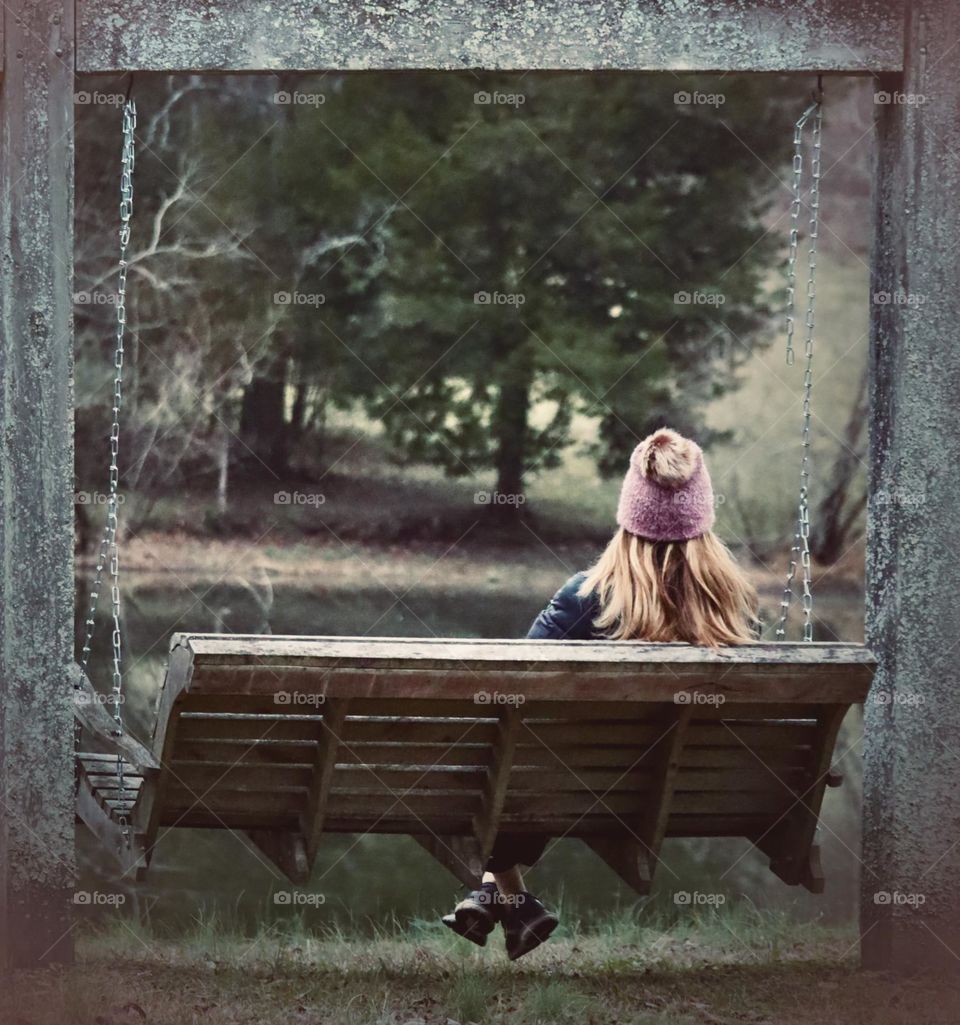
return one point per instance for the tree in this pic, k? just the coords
(551, 238)
(838, 521)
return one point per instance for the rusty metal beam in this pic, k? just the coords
(640, 35)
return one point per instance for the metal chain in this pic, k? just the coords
(795, 226)
(801, 543)
(108, 541)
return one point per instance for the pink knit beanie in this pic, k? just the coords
(667, 494)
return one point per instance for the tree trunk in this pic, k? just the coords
(840, 511)
(223, 470)
(511, 431)
(263, 426)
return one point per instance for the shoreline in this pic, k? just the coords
(171, 557)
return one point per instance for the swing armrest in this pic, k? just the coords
(90, 711)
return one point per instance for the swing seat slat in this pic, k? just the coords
(619, 744)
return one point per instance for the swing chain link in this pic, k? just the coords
(801, 544)
(108, 540)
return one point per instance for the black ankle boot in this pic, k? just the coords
(476, 916)
(527, 923)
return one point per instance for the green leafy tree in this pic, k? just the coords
(577, 242)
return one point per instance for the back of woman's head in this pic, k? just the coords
(665, 576)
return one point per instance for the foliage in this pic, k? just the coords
(475, 258)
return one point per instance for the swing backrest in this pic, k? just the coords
(466, 737)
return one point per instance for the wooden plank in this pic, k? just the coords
(538, 710)
(103, 761)
(634, 851)
(653, 682)
(90, 711)
(149, 812)
(334, 713)
(250, 752)
(199, 776)
(703, 825)
(374, 806)
(286, 849)
(626, 855)
(555, 736)
(126, 848)
(855, 36)
(477, 653)
(176, 682)
(790, 843)
(487, 819)
(584, 756)
(417, 779)
(466, 708)
(707, 824)
(420, 731)
(534, 809)
(656, 814)
(201, 728)
(591, 671)
(459, 855)
(423, 755)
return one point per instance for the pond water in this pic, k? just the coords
(365, 880)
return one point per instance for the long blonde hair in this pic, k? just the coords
(691, 591)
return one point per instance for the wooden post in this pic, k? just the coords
(910, 893)
(36, 483)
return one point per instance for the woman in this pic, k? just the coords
(664, 576)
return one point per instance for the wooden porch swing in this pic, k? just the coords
(619, 744)
(616, 743)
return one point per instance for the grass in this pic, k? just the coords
(721, 968)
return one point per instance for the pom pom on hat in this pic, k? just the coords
(667, 494)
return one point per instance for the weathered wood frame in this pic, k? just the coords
(907, 43)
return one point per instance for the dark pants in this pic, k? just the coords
(511, 849)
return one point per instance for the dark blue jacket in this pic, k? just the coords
(568, 617)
